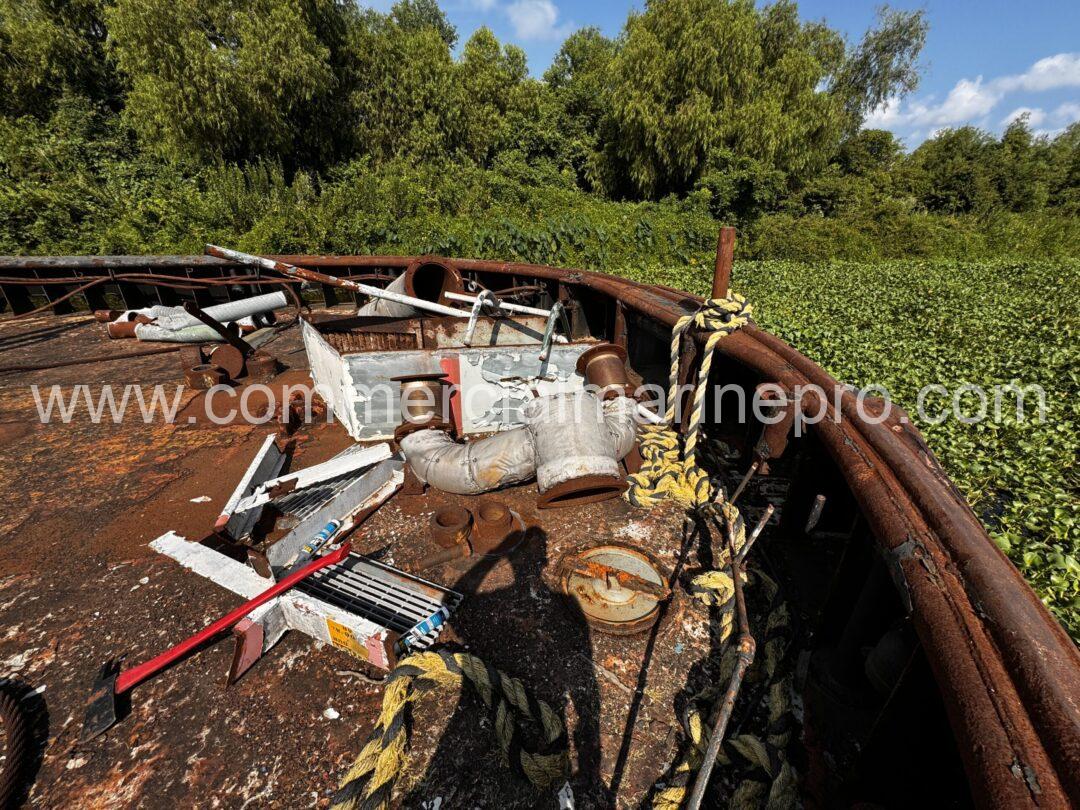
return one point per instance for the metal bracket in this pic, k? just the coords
(557, 311)
(484, 298)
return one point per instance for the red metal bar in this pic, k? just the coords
(130, 678)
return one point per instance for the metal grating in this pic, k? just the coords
(381, 594)
(303, 503)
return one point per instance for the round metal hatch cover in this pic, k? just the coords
(605, 604)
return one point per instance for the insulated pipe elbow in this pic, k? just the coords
(486, 464)
(620, 419)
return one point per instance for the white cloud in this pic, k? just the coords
(971, 99)
(1067, 113)
(536, 19)
(1060, 70)
(1036, 116)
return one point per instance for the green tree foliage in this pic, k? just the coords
(416, 15)
(579, 79)
(882, 66)
(49, 49)
(220, 80)
(702, 85)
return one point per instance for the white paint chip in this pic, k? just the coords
(202, 499)
(331, 713)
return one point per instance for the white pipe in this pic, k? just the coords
(505, 305)
(374, 292)
(470, 468)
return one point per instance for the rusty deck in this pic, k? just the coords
(76, 579)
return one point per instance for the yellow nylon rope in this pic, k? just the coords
(369, 783)
(669, 467)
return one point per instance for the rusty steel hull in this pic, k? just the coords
(1008, 673)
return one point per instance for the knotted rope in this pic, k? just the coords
(669, 468)
(369, 783)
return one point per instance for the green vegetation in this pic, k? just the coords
(154, 126)
(905, 325)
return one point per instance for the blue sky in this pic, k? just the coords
(983, 61)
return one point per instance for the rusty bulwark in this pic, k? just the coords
(1009, 675)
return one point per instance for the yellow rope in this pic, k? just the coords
(669, 468)
(719, 317)
(369, 783)
(770, 781)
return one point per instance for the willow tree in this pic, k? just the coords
(700, 83)
(52, 49)
(218, 79)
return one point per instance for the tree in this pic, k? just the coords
(49, 49)
(954, 173)
(578, 79)
(415, 15)
(217, 79)
(697, 83)
(883, 66)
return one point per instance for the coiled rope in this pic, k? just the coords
(669, 468)
(369, 783)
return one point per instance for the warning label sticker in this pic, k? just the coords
(344, 639)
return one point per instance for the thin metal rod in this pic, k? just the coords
(333, 281)
(746, 649)
(745, 480)
(754, 534)
(504, 305)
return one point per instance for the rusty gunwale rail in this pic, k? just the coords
(1009, 674)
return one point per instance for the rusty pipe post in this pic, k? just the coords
(746, 649)
(725, 258)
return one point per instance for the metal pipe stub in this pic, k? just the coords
(430, 279)
(205, 376)
(423, 401)
(450, 526)
(604, 366)
(493, 528)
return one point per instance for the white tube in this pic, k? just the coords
(504, 305)
(572, 438)
(619, 419)
(470, 469)
(199, 333)
(389, 308)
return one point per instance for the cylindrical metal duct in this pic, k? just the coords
(575, 451)
(427, 279)
(423, 401)
(604, 367)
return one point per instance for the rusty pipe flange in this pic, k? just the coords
(493, 527)
(604, 366)
(603, 603)
(450, 526)
(228, 358)
(404, 429)
(261, 364)
(578, 491)
(430, 278)
(191, 356)
(204, 376)
(121, 329)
